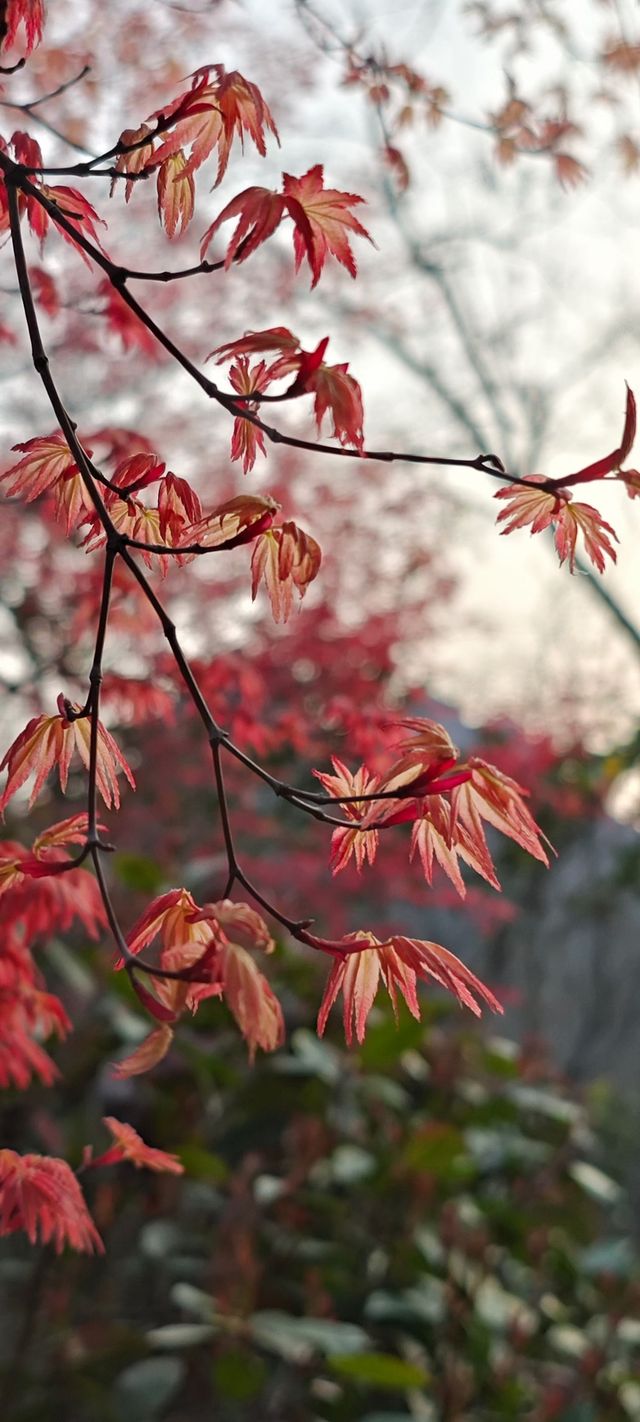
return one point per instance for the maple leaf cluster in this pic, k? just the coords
(540, 506)
(174, 521)
(26, 16)
(37, 899)
(41, 1195)
(210, 947)
(335, 391)
(219, 107)
(444, 800)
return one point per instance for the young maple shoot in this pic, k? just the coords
(141, 518)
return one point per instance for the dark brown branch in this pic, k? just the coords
(30, 104)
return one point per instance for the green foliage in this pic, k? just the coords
(357, 1239)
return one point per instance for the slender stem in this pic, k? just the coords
(214, 731)
(93, 699)
(30, 104)
(232, 859)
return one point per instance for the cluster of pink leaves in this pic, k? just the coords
(540, 506)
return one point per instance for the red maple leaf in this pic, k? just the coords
(237, 107)
(211, 115)
(259, 212)
(78, 212)
(287, 560)
(151, 1051)
(541, 508)
(40, 1194)
(362, 844)
(176, 194)
(575, 518)
(247, 438)
(51, 740)
(46, 459)
(322, 220)
(397, 962)
(276, 338)
(130, 1146)
(336, 392)
(28, 14)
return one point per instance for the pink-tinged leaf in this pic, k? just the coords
(29, 154)
(541, 508)
(251, 1000)
(77, 210)
(276, 338)
(139, 470)
(631, 479)
(131, 1147)
(397, 164)
(247, 438)
(176, 194)
(362, 961)
(137, 520)
(358, 976)
(235, 522)
(147, 1055)
(236, 107)
(431, 839)
(45, 290)
(216, 110)
(431, 960)
(70, 831)
(178, 508)
(240, 922)
(28, 15)
(427, 757)
(260, 212)
(570, 172)
(40, 1195)
(157, 1009)
(339, 395)
(345, 843)
(287, 560)
(47, 458)
(39, 747)
(322, 220)
(534, 507)
(49, 741)
(73, 501)
(493, 796)
(172, 915)
(242, 110)
(135, 162)
(577, 518)
(109, 758)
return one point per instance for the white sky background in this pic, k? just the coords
(550, 281)
(569, 282)
(558, 270)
